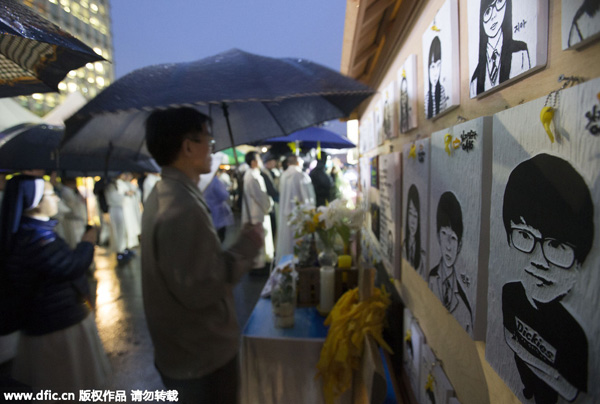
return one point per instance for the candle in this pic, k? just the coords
(327, 288)
(344, 261)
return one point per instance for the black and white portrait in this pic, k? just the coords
(389, 111)
(543, 317)
(415, 197)
(548, 219)
(444, 279)
(441, 61)
(504, 39)
(413, 340)
(459, 196)
(407, 96)
(580, 22)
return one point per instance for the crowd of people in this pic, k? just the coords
(188, 271)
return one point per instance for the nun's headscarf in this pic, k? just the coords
(22, 193)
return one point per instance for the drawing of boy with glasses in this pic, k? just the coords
(548, 217)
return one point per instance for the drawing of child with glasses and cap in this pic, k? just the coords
(548, 218)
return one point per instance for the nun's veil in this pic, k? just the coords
(22, 192)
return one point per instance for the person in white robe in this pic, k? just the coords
(132, 213)
(118, 239)
(75, 220)
(256, 205)
(294, 184)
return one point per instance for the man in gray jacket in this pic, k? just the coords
(187, 278)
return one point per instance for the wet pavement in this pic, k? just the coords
(122, 324)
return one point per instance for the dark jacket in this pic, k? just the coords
(49, 276)
(323, 184)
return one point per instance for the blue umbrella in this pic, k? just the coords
(310, 137)
(35, 146)
(249, 98)
(35, 55)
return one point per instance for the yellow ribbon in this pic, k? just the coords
(435, 28)
(292, 146)
(447, 142)
(429, 384)
(350, 322)
(319, 150)
(546, 117)
(404, 74)
(413, 151)
(408, 335)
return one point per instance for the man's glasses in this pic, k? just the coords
(488, 11)
(560, 254)
(211, 142)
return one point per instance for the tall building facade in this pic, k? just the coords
(89, 21)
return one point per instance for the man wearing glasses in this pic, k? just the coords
(548, 217)
(187, 277)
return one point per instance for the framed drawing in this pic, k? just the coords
(407, 95)
(441, 75)
(435, 387)
(367, 133)
(413, 340)
(389, 202)
(389, 111)
(580, 22)
(459, 210)
(543, 298)
(379, 131)
(415, 203)
(507, 40)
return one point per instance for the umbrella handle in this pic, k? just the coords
(235, 157)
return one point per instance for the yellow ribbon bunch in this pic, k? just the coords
(350, 322)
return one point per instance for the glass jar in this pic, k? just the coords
(283, 297)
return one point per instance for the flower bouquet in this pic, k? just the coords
(332, 223)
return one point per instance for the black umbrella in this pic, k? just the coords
(248, 97)
(35, 55)
(36, 146)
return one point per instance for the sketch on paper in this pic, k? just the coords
(441, 61)
(415, 202)
(389, 111)
(460, 182)
(407, 95)
(444, 278)
(580, 22)
(506, 40)
(412, 342)
(543, 315)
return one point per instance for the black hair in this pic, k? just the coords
(250, 157)
(413, 196)
(166, 130)
(550, 195)
(435, 54)
(449, 214)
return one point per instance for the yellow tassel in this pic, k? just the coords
(319, 150)
(292, 146)
(546, 117)
(447, 142)
(413, 151)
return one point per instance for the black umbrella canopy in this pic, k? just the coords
(263, 97)
(35, 55)
(35, 146)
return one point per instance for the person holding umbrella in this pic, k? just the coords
(187, 278)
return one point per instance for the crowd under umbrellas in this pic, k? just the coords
(249, 99)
